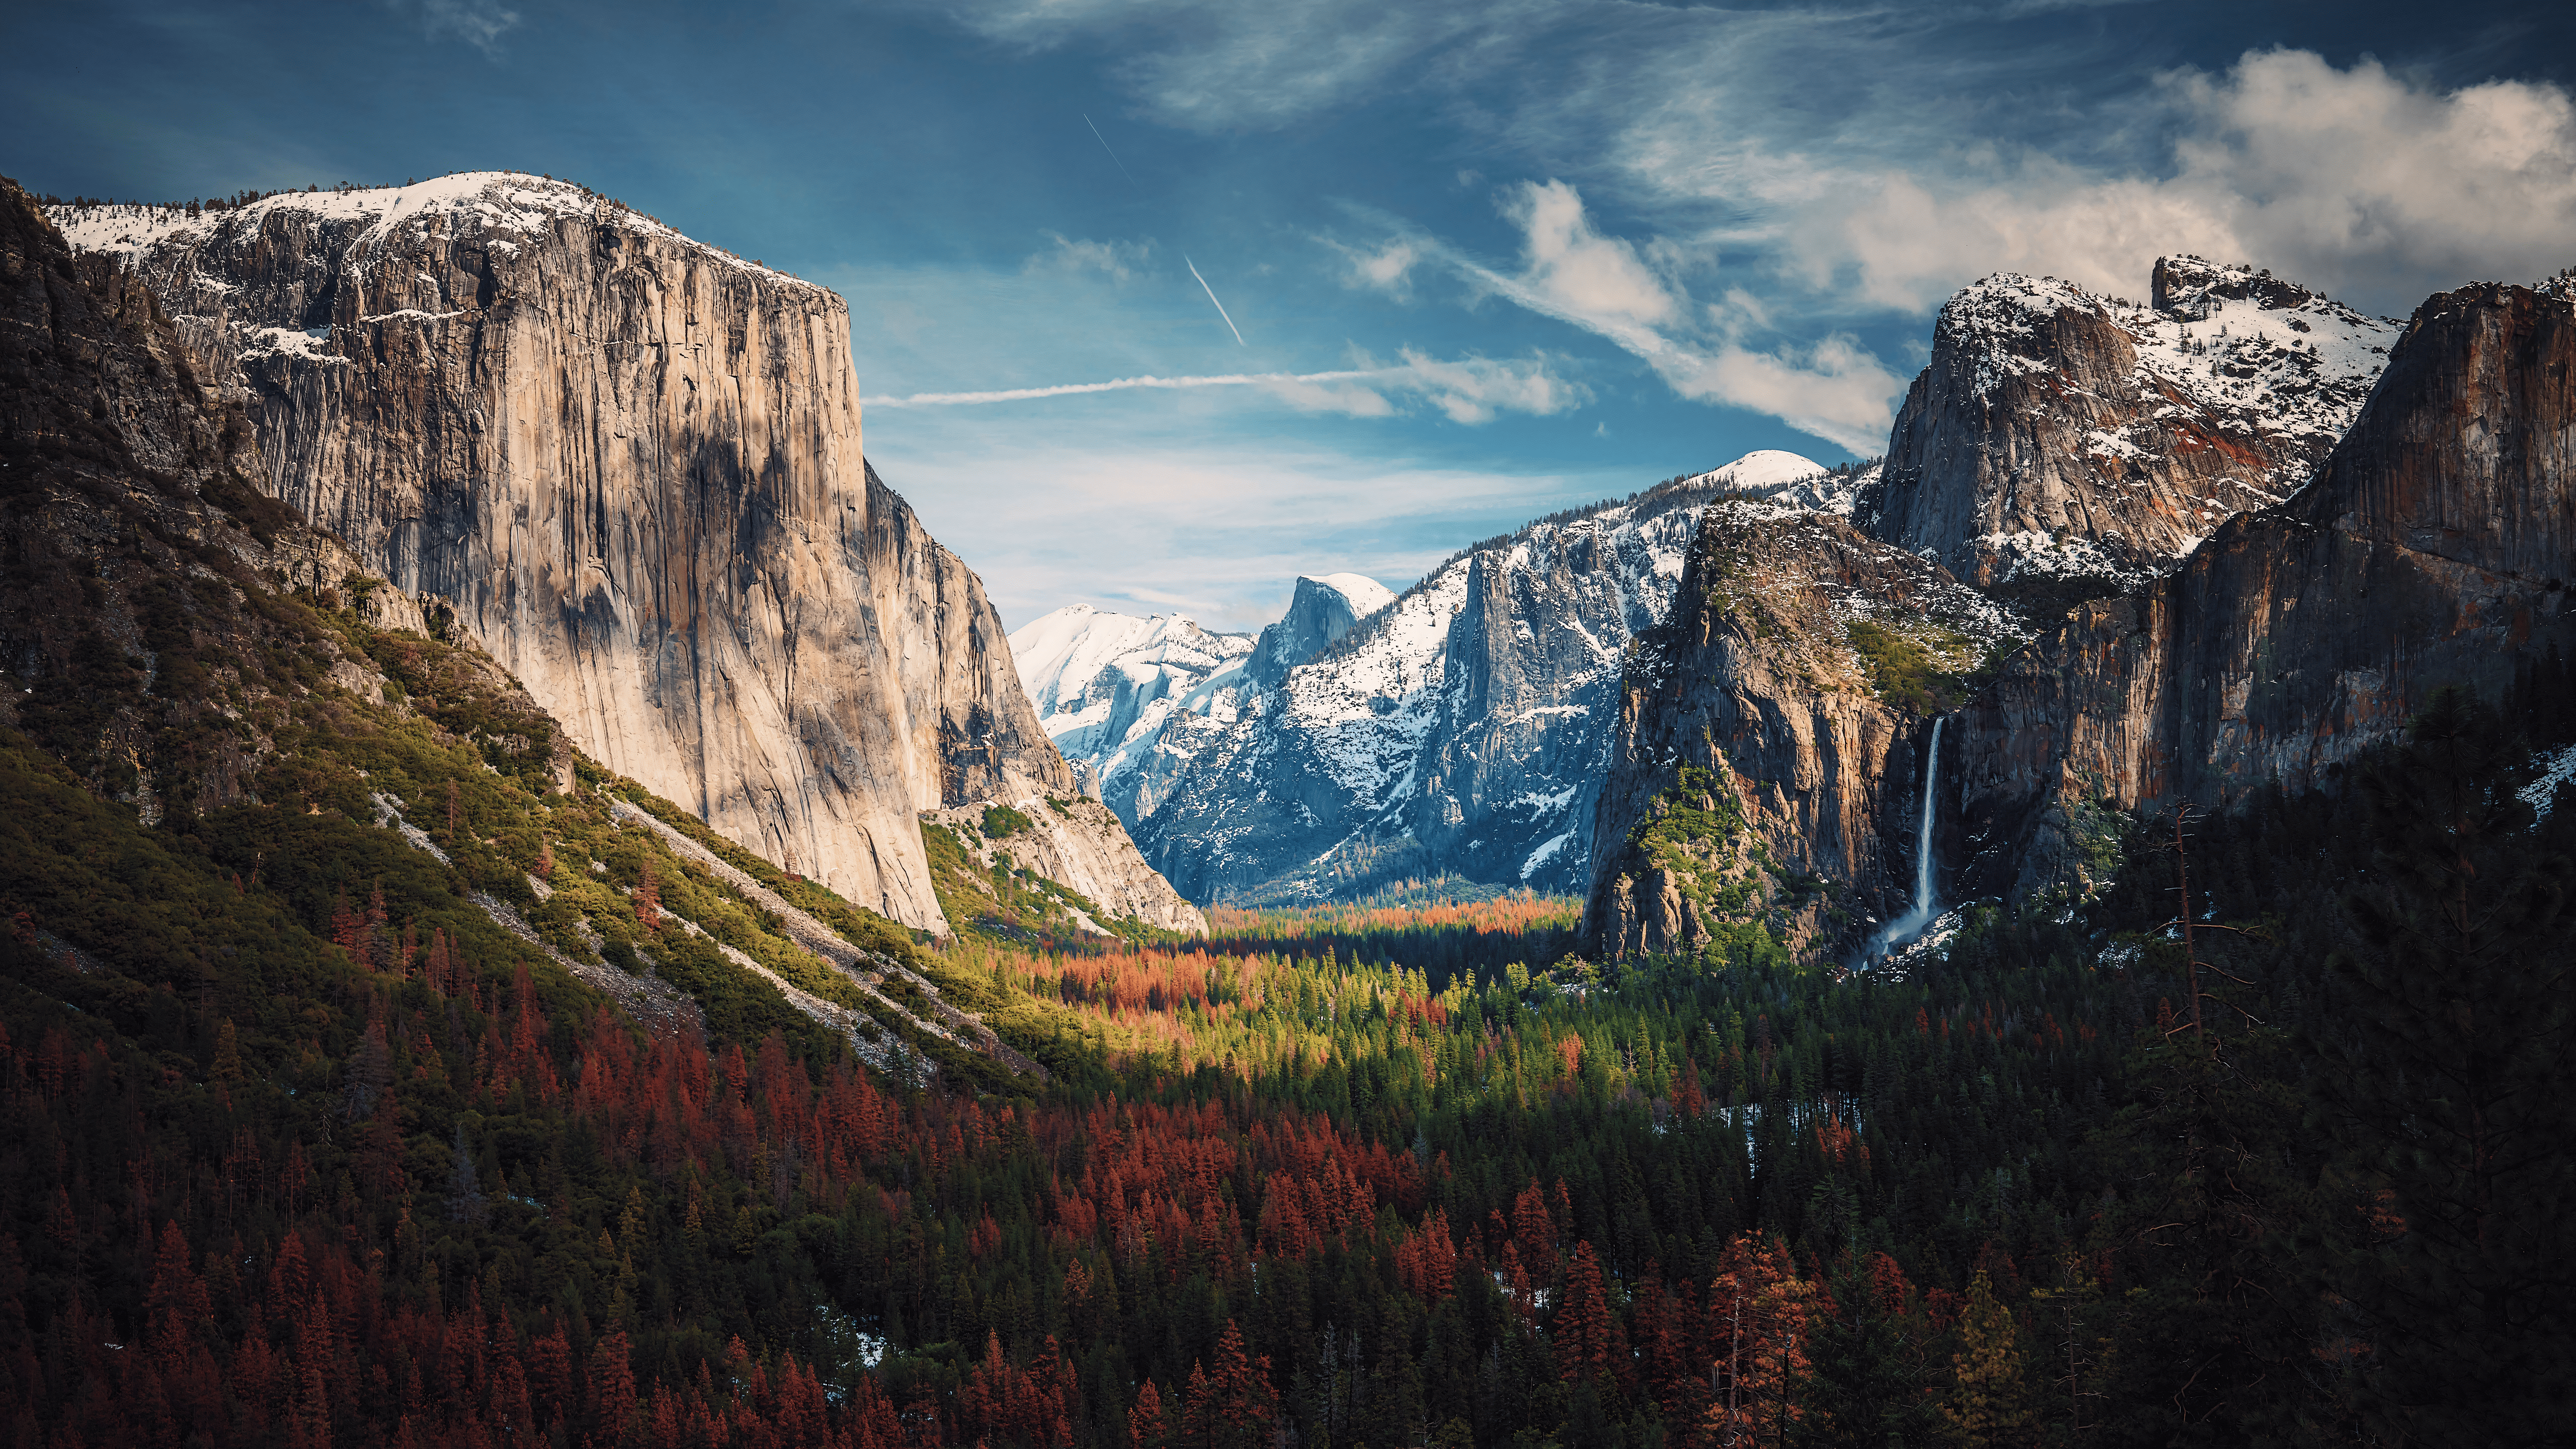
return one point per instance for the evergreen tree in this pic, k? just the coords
(1988, 1403)
(1869, 1382)
(2447, 1085)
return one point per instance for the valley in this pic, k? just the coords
(544, 908)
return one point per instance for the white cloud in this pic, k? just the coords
(479, 23)
(1222, 67)
(1943, 157)
(1832, 387)
(1472, 390)
(2357, 181)
(1144, 520)
(1387, 269)
(1117, 260)
(1579, 271)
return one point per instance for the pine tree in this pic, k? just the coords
(1988, 1402)
(2447, 1083)
(1871, 1377)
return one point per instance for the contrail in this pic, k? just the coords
(1070, 389)
(1104, 145)
(1220, 306)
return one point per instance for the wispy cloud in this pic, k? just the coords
(1116, 260)
(1225, 532)
(1831, 387)
(479, 23)
(1471, 390)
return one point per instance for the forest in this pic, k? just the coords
(307, 1152)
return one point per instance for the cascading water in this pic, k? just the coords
(1926, 906)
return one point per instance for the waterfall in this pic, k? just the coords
(1926, 906)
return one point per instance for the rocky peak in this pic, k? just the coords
(1460, 729)
(1106, 685)
(1320, 612)
(2434, 548)
(2061, 444)
(2192, 289)
(1770, 736)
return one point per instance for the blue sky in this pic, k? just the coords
(1487, 258)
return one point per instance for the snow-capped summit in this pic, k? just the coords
(2073, 443)
(1460, 727)
(1104, 685)
(498, 205)
(1759, 471)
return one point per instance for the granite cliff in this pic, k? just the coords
(629, 465)
(2435, 547)
(1770, 743)
(2061, 445)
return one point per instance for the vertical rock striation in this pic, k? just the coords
(631, 465)
(2435, 547)
(1768, 753)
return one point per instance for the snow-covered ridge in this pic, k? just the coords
(2232, 341)
(1104, 686)
(1464, 726)
(493, 202)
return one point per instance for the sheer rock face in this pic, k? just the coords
(1754, 756)
(1319, 613)
(632, 465)
(2434, 548)
(2061, 444)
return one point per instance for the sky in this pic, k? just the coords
(1403, 275)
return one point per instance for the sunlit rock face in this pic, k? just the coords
(631, 463)
(1766, 767)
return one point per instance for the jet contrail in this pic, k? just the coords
(1220, 306)
(1104, 145)
(1070, 389)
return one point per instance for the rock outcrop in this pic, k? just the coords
(2435, 547)
(631, 465)
(1320, 612)
(1081, 845)
(2062, 445)
(1769, 748)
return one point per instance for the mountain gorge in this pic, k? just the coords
(2104, 539)
(629, 466)
(385, 1067)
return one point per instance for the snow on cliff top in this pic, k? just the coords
(2230, 339)
(509, 201)
(1760, 469)
(1060, 654)
(1366, 595)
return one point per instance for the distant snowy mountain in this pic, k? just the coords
(1322, 611)
(1104, 686)
(1461, 727)
(1789, 481)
